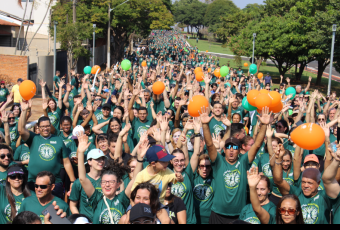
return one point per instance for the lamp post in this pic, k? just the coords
(331, 64)
(254, 36)
(94, 43)
(55, 52)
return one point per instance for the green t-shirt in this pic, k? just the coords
(99, 114)
(203, 197)
(55, 118)
(216, 126)
(56, 79)
(118, 206)
(315, 210)
(336, 211)
(240, 110)
(3, 176)
(104, 129)
(46, 155)
(248, 214)
(185, 192)
(33, 205)
(289, 177)
(14, 135)
(139, 128)
(22, 153)
(321, 150)
(5, 207)
(233, 192)
(78, 194)
(3, 94)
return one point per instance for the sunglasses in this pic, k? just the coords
(4, 155)
(16, 176)
(205, 166)
(290, 211)
(321, 119)
(235, 147)
(11, 118)
(41, 186)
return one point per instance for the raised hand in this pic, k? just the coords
(197, 124)
(164, 124)
(225, 120)
(84, 143)
(44, 104)
(68, 87)
(89, 107)
(280, 151)
(253, 177)
(265, 118)
(125, 130)
(61, 84)
(183, 139)
(205, 119)
(4, 117)
(269, 132)
(42, 83)
(143, 148)
(325, 128)
(216, 140)
(156, 134)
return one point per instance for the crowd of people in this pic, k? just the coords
(108, 151)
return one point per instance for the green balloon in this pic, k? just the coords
(253, 69)
(198, 51)
(291, 91)
(247, 106)
(224, 71)
(87, 70)
(126, 65)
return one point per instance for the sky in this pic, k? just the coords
(242, 3)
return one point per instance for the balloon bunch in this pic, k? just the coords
(257, 100)
(199, 74)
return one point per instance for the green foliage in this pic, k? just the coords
(238, 60)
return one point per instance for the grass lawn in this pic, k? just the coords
(214, 47)
(274, 73)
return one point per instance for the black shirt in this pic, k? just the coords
(175, 207)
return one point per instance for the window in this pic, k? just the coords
(26, 0)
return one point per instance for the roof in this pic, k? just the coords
(6, 23)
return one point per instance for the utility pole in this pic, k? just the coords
(331, 64)
(254, 36)
(109, 39)
(55, 52)
(94, 43)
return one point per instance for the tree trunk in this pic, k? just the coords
(259, 62)
(301, 69)
(29, 22)
(322, 64)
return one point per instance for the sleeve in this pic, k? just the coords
(12, 91)
(138, 180)
(17, 153)
(294, 190)
(66, 151)
(30, 139)
(335, 202)
(59, 111)
(243, 213)
(122, 197)
(76, 190)
(95, 198)
(179, 205)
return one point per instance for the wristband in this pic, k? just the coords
(168, 142)
(142, 161)
(197, 135)
(279, 163)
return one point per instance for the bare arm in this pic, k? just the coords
(97, 129)
(24, 133)
(205, 119)
(195, 155)
(278, 174)
(297, 162)
(332, 187)
(4, 120)
(74, 207)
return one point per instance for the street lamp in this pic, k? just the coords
(55, 51)
(94, 43)
(254, 36)
(331, 64)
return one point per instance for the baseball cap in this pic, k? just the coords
(233, 141)
(82, 220)
(20, 79)
(76, 132)
(2, 82)
(141, 211)
(106, 90)
(95, 154)
(16, 169)
(106, 106)
(311, 157)
(158, 153)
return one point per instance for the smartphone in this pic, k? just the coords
(55, 219)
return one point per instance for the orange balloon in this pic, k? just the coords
(196, 104)
(209, 70)
(260, 75)
(308, 136)
(198, 69)
(217, 73)
(158, 87)
(259, 111)
(144, 64)
(245, 64)
(206, 51)
(95, 69)
(246, 129)
(27, 89)
(276, 98)
(264, 91)
(277, 108)
(199, 76)
(263, 100)
(251, 96)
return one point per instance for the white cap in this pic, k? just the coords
(82, 220)
(95, 154)
(76, 131)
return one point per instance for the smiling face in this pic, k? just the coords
(4, 162)
(217, 110)
(106, 112)
(45, 128)
(115, 126)
(178, 162)
(17, 182)
(66, 126)
(142, 115)
(97, 164)
(248, 145)
(287, 162)
(262, 191)
(117, 113)
(142, 197)
(16, 111)
(289, 204)
(103, 145)
(309, 187)
(52, 105)
(109, 185)
(176, 136)
(42, 193)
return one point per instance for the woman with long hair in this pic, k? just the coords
(108, 207)
(288, 210)
(13, 193)
(51, 108)
(177, 209)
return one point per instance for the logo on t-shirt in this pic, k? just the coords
(253, 220)
(218, 129)
(104, 217)
(13, 135)
(232, 179)
(310, 213)
(267, 170)
(73, 154)
(179, 189)
(99, 116)
(8, 210)
(53, 118)
(203, 192)
(2, 93)
(141, 130)
(47, 152)
(25, 156)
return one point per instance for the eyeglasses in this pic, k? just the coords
(41, 186)
(111, 182)
(290, 211)
(4, 155)
(16, 176)
(279, 126)
(235, 147)
(97, 99)
(11, 118)
(179, 161)
(142, 222)
(321, 119)
(205, 166)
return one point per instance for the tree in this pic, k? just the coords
(215, 10)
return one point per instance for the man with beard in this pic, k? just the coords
(218, 122)
(6, 157)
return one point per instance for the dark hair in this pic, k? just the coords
(66, 118)
(4, 146)
(109, 132)
(113, 138)
(143, 108)
(232, 117)
(267, 180)
(154, 201)
(26, 217)
(48, 101)
(74, 217)
(284, 124)
(278, 140)
(76, 96)
(48, 174)
(101, 137)
(236, 128)
(42, 119)
(121, 109)
(25, 190)
(213, 97)
(299, 218)
(14, 107)
(113, 167)
(245, 140)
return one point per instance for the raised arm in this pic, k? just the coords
(4, 120)
(308, 85)
(65, 100)
(277, 172)
(297, 162)
(60, 100)
(97, 129)
(194, 159)
(119, 145)
(332, 187)
(24, 133)
(205, 119)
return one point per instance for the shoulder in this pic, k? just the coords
(60, 202)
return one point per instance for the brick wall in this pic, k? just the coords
(13, 67)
